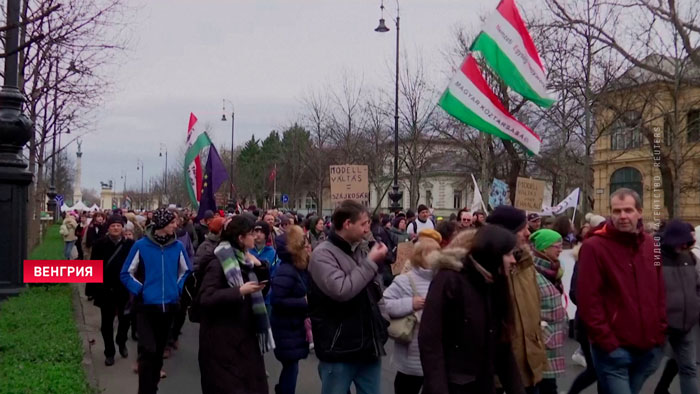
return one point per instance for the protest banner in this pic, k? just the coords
(349, 182)
(529, 194)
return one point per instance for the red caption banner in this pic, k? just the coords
(62, 271)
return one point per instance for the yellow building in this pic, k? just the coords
(649, 133)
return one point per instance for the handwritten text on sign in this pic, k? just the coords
(529, 194)
(349, 182)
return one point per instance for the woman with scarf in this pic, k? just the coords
(548, 245)
(315, 232)
(464, 335)
(234, 331)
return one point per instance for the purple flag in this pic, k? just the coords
(214, 176)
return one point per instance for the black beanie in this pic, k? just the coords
(114, 218)
(508, 217)
(676, 233)
(162, 217)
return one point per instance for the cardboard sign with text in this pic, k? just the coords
(349, 182)
(529, 194)
(404, 251)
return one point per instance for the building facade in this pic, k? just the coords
(647, 124)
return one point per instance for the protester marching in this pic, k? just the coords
(300, 263)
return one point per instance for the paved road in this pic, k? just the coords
(183, 369)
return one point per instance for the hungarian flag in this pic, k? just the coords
(510, 52)
(196, 141)
(470, 99)
(214, 176)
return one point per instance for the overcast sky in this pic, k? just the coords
(263, 55)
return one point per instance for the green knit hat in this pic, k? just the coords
(542, 239)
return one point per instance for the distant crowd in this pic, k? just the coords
(479, 306)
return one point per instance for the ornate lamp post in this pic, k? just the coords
(15, 131)
(395, 195)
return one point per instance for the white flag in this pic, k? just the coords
(570, 201)
(477, 202)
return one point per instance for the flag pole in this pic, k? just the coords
(274, 188)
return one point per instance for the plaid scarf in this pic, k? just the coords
(231, 261)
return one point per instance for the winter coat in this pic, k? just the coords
(68, 229)
(682, 289)
(156, 273)
(200, 230)
(553, 313)
(111, 288)
(526, 339)
(398, 298)
(184, 237)
(460, 340)
(268, 254)
(345, 301)
(205, 251)
(381, 235)
(397, 236)
(94, 232)
(620, 291)
(289, 308)
(315, 238)
(230, 361)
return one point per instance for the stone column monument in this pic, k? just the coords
(77, 194)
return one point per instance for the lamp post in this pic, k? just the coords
(123, 176)
(395, 195)
(139, 166)
(231, 200)
(165, 178)
(15, 131)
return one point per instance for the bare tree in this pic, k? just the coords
(317, 120)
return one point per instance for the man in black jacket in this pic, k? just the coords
(344, 296)
(111, 295)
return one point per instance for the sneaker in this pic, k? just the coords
(579, 359)
(109, 361)
(123, 350)
(163, 375)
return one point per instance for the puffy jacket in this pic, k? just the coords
(156, 273)
(682, 289)
(289, 307)
(620, 291)
(68, 229)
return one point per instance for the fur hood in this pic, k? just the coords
(450, 258)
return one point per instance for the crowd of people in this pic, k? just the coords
(479, 307)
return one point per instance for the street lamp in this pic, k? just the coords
(395, 195)
(15, 131)
(164, 147)
(139, 166)
(231, 200)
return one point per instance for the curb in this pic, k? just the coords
(83, 329)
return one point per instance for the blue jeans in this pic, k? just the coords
(623, 371)
(683, 345)
(288, 378)
(337, 377)
(67, 249)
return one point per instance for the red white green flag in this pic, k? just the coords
(470, 99)
(508, 49)
(196, 141)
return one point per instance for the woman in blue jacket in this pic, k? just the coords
(289, 307)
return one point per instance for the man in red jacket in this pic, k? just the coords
(622, 299)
